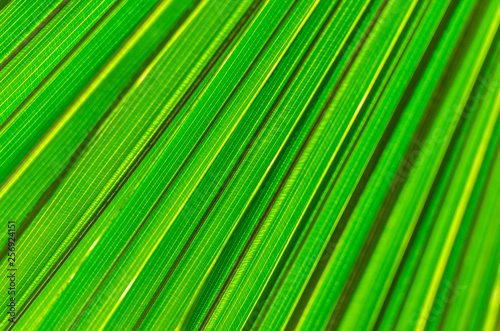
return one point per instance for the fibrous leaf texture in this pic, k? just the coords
(250, 164)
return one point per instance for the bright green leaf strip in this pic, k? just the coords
(173, 203)
(270, 241)
(20, 19)
(55, 94)
(212, 231)
(343, 253)
(310, 250)
(471, 290)
(397, 176)
(245, 265)
(116, 138)
(483, 96)
(492, 317)
(215, 278)
(107, 231)
(444, 232)
(255, 164)
(168, 205)
(376, 278)
(103, 237)
(30, 66)
(389, 10)
(61, 147)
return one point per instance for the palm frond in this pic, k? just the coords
(251, 164)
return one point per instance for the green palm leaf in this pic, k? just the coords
(255, 164)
